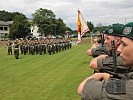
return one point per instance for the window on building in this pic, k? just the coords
(1, 28)
(5, 28)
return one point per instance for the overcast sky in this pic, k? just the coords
(105, 12)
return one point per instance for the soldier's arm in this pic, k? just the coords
(89, 51)
(96, 76)
(106, 65)
(93, 63)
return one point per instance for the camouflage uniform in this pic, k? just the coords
(106, 65)
(49, 48)
(16, 50)
(40, 48)
(99, 50)
(31, 48)
(9, 48)
(102, 90)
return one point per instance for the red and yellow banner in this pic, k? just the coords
(82, 27)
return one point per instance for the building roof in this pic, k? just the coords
(3, 23)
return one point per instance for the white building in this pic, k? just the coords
(4, 28)
(34, 31)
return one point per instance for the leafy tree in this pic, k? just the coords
(8, 16)
(44, 19)
(69, 29)
(99, 28)
(47, 23)
(61, 27)
(5, 16)
(20, 27)
(90, 25)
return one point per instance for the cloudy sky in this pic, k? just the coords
(105, 12)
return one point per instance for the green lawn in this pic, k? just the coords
(43, 77)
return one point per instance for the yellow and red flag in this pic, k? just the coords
(82, 27)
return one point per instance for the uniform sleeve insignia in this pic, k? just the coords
(110, 30)
(127, 30)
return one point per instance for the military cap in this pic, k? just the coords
(114, 29)
(128, 30)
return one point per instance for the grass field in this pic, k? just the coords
(43, 77)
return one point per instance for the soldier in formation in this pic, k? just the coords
(98, 47)
(9, 47)
(16, 49)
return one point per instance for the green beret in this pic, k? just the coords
(114, 29)
(128, 30)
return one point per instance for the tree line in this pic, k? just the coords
(44, 19)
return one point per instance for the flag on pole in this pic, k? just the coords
(82, 27)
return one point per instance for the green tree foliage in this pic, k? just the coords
(20, 27)
(90, 25)
(70, 31)
(61, 27)
(44, 19)
(8, 16)
(46, 22)
(99, 28)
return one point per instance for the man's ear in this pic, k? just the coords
(118, 41)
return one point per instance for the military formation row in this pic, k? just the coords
(32, 47)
